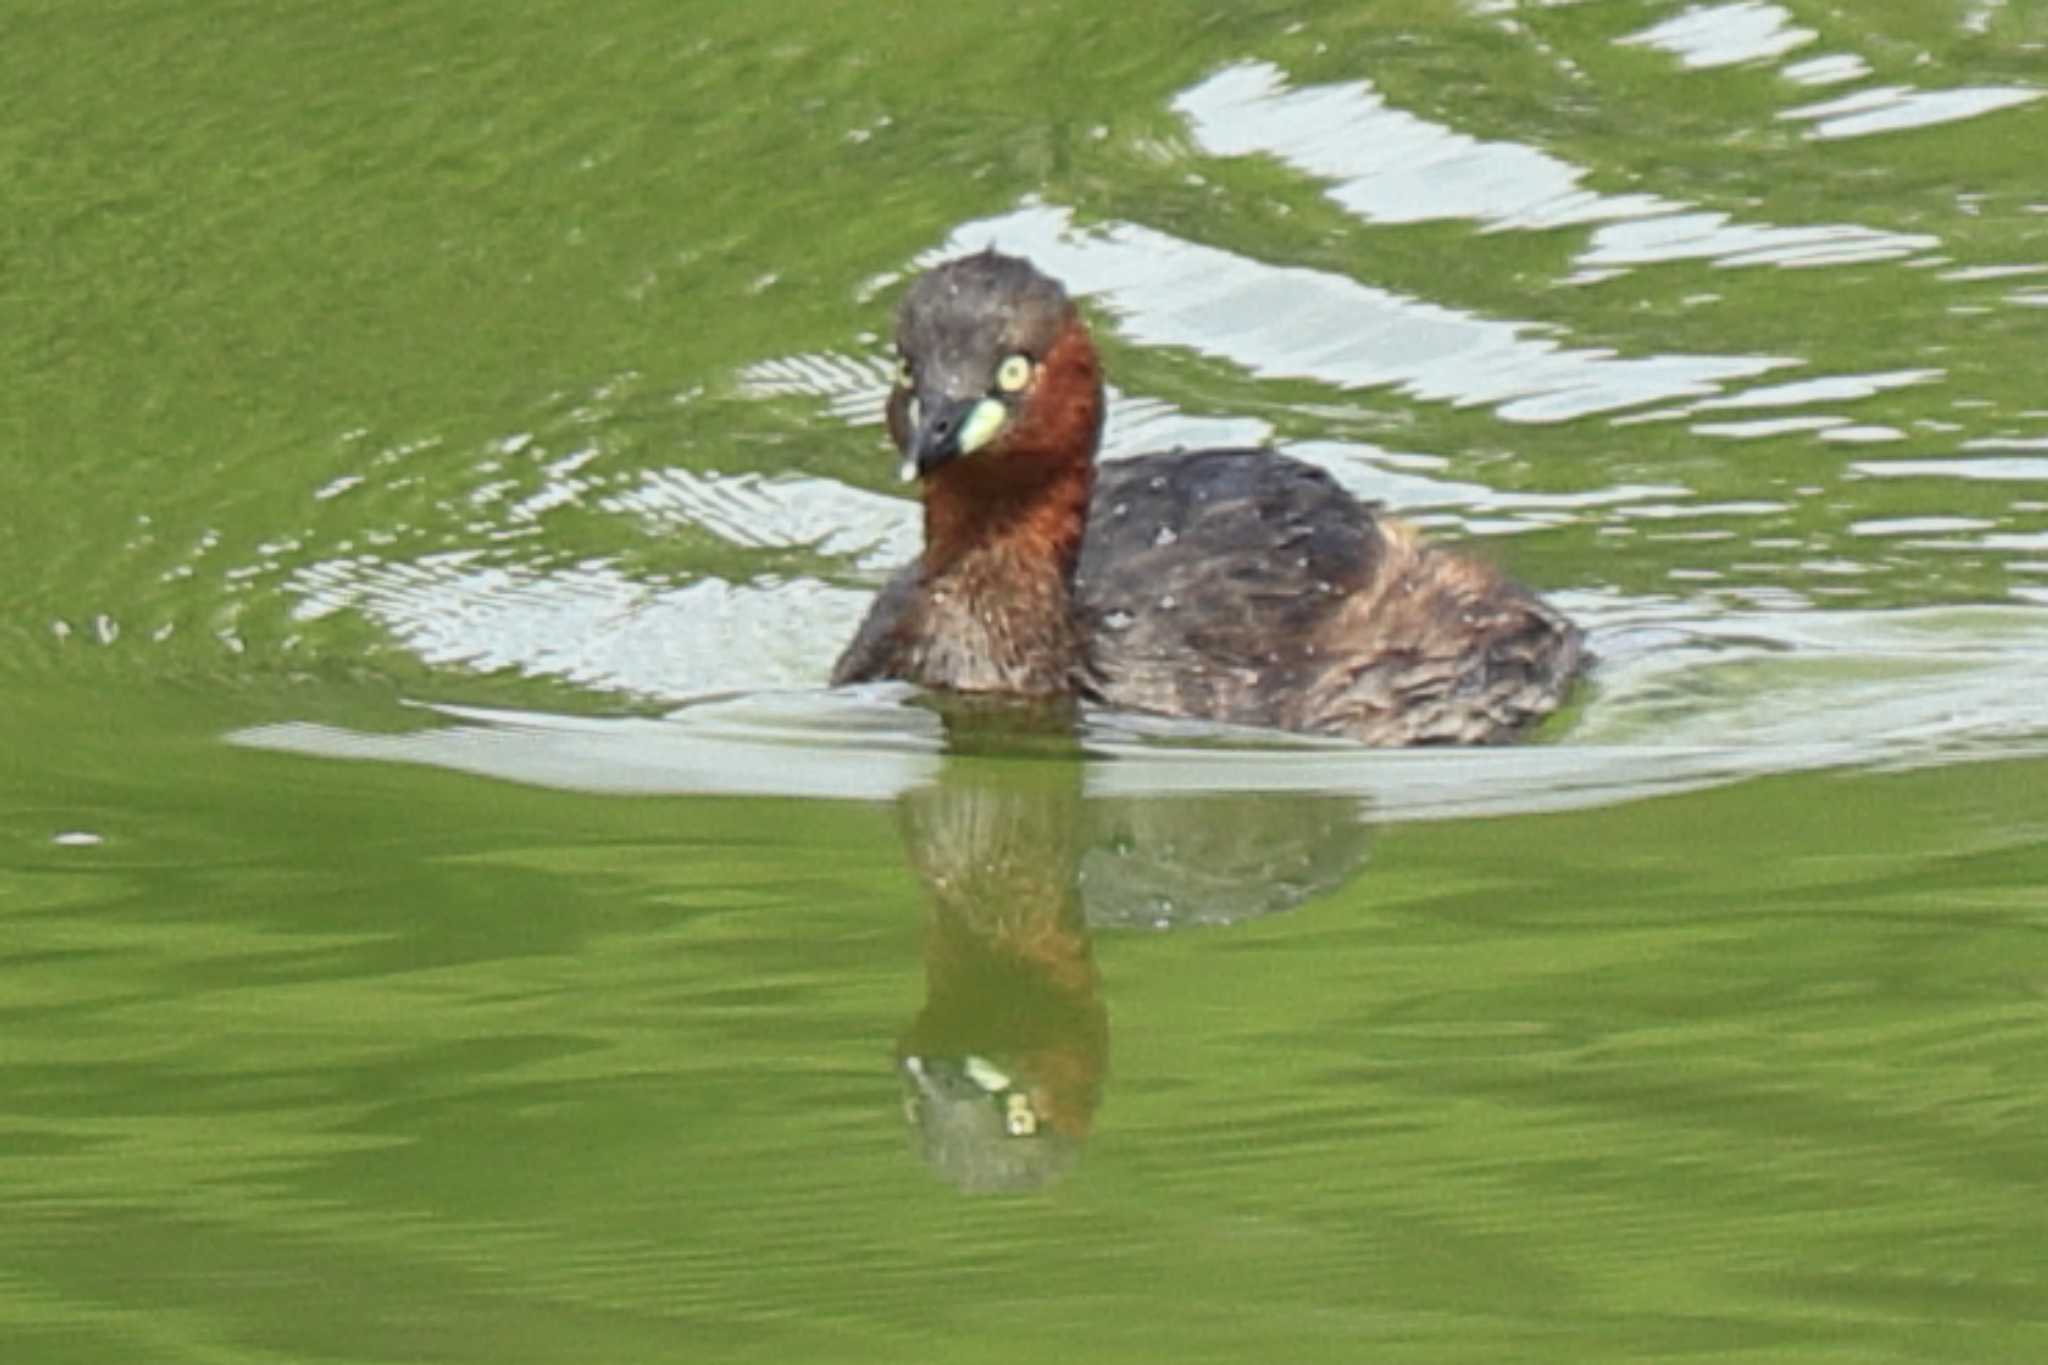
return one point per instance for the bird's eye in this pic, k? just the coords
(903, 375)
(1014, 373)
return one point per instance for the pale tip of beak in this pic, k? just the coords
(907, 471)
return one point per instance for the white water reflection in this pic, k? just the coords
(1916, 526)
(1683, 701)
(1835, 68)
(1291, 322)
(2018, 469)
(1765, 426)
(1747, 31)
(1991, 272)
(1832, 388)
(855, 744)
(854, 385)
(1723, 35)
(1892, 108)
(1869, 434)
(591, 624)
(1828, 388)
(1389, 166)
(754, 511)
(1716, 237)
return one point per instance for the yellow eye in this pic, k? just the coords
(903, 376)
(1014, 374)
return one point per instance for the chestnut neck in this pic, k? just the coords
(1025, 501)
(1032, 527)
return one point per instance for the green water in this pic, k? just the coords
(444, 918)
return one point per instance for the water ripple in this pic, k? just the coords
(592, 624)
(759, 512)
(1390, 166)
(1387, 165)
(1893, 108)
(1686, 701)
(1723, 35)
(2015, 470)
(1282, 322)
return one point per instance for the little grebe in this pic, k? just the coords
(1233, 585)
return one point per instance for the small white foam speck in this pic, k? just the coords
(334, 488)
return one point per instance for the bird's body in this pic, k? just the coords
(1234, 585)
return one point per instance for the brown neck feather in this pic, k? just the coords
(1035, 525)
(1026, 497)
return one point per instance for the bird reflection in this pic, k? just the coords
(1003, 1068)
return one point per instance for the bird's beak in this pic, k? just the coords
(950, 427)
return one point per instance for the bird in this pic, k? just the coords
(1239, 586)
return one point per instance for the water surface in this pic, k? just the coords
(447, 918)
